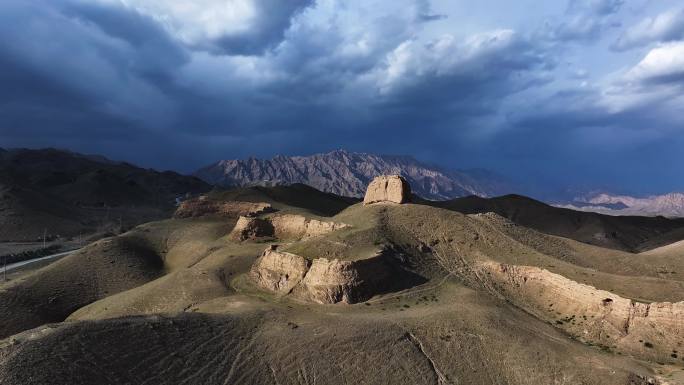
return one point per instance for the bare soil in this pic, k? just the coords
(172, 302)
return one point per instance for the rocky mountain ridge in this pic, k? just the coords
(348, 173)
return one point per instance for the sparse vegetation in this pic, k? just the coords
(186, 288)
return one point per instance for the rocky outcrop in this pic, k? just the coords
(332, 281)
(279, 271)
(297, 226)
(251, 228)
(202, 206)
(286, 226)
(322, 280)
(388, 188)
(653, 331)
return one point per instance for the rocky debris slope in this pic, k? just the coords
(388, 188)
(202, 206)
(285, 226)
(650, 330)
(347, 174)
(322, 280)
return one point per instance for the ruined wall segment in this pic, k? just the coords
(388, 188)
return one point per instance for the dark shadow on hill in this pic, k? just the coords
(296, 195)
(63, 194)
(628, 233)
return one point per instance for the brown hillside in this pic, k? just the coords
(403, 293)
(66, 194)
(616, 232)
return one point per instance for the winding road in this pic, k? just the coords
(12, 266)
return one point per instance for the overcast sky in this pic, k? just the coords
(584, 92)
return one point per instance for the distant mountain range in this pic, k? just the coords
(348, 173)
(67, 194)
(668, 205)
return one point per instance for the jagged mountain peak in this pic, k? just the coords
(348, 173)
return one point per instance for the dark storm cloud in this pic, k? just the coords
(71, 69)
(607, 140)
(179, 88)
(466, 77)
(115, 71)
(146, 48)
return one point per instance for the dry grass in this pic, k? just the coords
(170, 302)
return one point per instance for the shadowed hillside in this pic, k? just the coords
(66, 194)
(629, 233)
(295, 195)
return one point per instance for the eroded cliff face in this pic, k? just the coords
(654, 331)
(202, 206)
(251, 228)
(285, 226)
(322, 280)
(279, 271)
(297, 226)
(332, 281)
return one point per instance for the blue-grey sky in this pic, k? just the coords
(578, 92)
